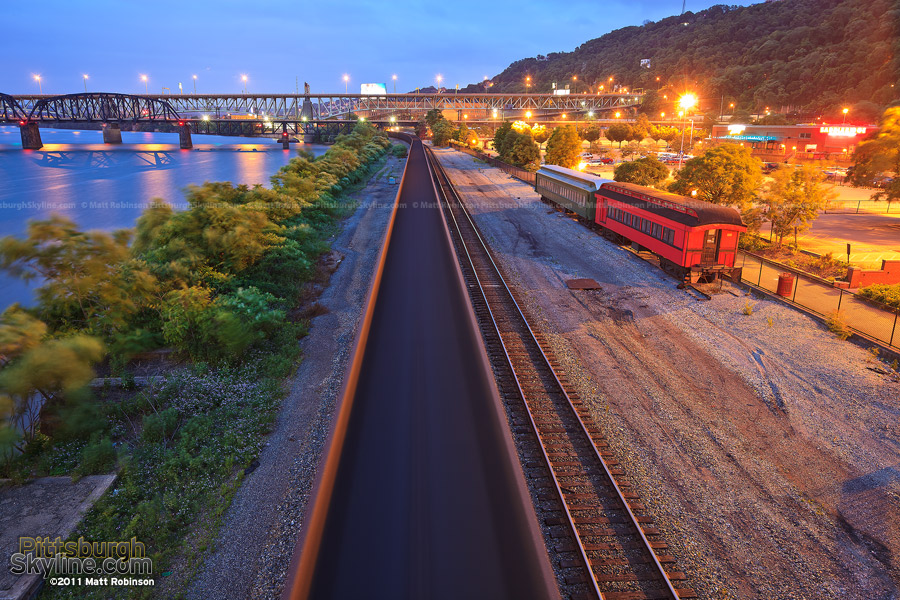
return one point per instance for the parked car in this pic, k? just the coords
(769, 167)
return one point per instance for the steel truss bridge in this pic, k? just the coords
(313, 116)
(314, 107)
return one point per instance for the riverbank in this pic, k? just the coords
(183, 445)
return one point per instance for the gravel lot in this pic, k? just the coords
(766, 448)
(257, 539)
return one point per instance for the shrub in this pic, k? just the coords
(399, 150)
(97, 457)
(748, 308)
(837, 324)
(159, 426)
(886, 294)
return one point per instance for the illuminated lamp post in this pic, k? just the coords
(845, 111)
(687, 102)
(40, 86)
(84, 78)
(146, 79)
(394, 77)
(195, 84)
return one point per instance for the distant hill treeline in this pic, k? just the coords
(802, 55)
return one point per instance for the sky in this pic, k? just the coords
(280, 44)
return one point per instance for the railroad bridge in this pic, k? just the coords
(284, 115)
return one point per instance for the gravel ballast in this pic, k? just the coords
(765, 447)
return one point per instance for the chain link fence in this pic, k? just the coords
(869, 317)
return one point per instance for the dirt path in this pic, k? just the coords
(765, 447)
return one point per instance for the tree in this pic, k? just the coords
(89, 280)
(878, 155)
(618, 132)
(641, 128)
(793, 199)
(643, 171)
(442, 133)
(540, 134)
(433, 116)
(422, 128)
(37, 373)
(564, 147)
(500, 134)
(591, 134)
(462, 134)
(726, 174)
(525, 152)
(667, 134)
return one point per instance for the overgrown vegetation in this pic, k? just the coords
(837, 324)
(215, 283)
(886, 294)
(791, 53)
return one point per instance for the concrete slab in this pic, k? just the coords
(45, 507)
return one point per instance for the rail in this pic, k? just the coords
(567, 438)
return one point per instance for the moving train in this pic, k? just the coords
(695, 241)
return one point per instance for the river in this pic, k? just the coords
(102, 186)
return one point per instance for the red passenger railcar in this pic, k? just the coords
(695, 240)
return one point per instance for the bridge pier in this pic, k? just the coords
(31, 136)
(112, 133)
(184, 137)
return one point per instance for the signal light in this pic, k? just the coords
(21, 122)
(181, 123)
(284, 134)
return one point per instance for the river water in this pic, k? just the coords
(102, 186)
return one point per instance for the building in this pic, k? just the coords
(809, 142)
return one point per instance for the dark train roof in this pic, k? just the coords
(680, 209)
(585, 181)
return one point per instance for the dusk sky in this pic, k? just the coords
(274, 42)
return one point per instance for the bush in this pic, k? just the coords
(159, 426)
(837, 324)
(886, 294)
(97, 457)
(399, 150)
(748, 308)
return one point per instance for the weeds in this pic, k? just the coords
(837, 324)
(748, 308)
(770, 322)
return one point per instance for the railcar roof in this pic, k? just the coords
(688, 211)
(585, 181)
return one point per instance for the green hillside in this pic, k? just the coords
(807, 55)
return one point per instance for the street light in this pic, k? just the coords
(845, 111)
(40, 87)
(346, 79)
(527, 82)
(575, 85)
(195, 84)
(244, 79)
(528, 114)
(84, 78)
(687, 102)
(394, 77)
(144, 78)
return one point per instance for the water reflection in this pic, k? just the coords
(101, 186)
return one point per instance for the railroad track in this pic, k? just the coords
(606, 545)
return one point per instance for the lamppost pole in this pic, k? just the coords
(84, 79)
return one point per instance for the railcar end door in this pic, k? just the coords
(710, 246)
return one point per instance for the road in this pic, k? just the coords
(428, 501)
